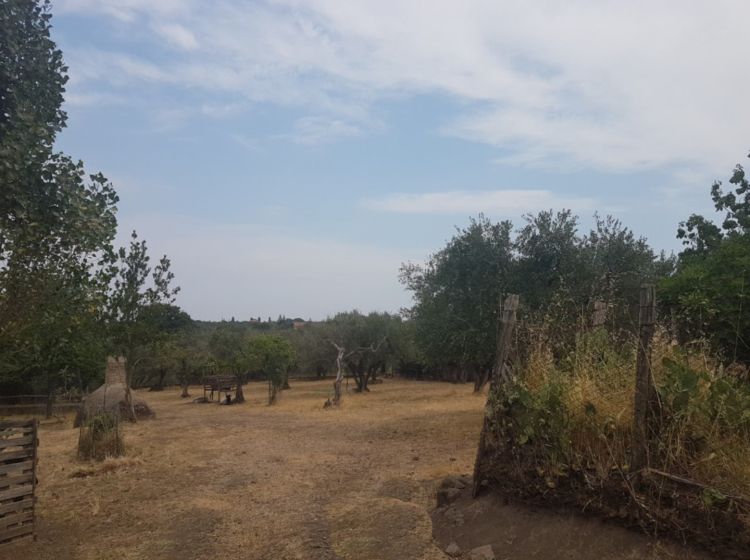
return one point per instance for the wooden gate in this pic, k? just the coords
(18, 458)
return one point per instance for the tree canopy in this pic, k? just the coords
(60, 277)
(558, 273)
(707, 296)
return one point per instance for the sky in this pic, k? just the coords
(289, 155)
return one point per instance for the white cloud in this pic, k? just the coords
(177, 35)
(247, 142)
(499, 202)
(607, 85)
(74, 99)
(243, 271)
(124, 10)
(315, 130)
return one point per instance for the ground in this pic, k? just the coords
(292, 481)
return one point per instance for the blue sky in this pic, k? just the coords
(289, 155)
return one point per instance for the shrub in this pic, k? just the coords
(100, 437)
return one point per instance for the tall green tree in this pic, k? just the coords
(557, 272)
(164, 331)
(456, 295)
(365, 342)
(274, 356)
(707, 297)
(138, 294)
(56, 223)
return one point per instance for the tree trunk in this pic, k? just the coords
(185, 385)
(361, 376)
(160, 384)
(50, 404)
(128, 394)
(481, 376)
(239, 397)
(339, 375)
(500, 375)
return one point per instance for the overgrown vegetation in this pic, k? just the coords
(561, 431)
(576, 415)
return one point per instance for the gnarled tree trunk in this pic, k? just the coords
(339, 374)
(239, 396)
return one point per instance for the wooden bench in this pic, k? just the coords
(219, 384)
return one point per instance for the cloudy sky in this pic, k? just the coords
(288, 155)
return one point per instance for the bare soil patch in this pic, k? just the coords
(520, 532)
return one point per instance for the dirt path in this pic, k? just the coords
(254, 482)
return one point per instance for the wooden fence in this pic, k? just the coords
(18, 459)
(11, 405)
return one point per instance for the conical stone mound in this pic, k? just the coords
(112, 397)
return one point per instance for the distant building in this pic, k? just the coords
(297, 325)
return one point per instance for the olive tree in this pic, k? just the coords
(273, 355)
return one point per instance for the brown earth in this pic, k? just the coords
(294, 481)
(516, 531)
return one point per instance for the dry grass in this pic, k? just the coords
(292, 481)
(256, 482)
(598, 384)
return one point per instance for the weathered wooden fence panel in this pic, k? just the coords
(18, 458)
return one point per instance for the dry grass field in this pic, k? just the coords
(292, 481)
(253, 481)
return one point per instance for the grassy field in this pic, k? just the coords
(252, 481)
(293, 481)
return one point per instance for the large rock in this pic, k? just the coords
(113, 399)
(447, 496)
(482, 553)
(453, 550)
(454, 481)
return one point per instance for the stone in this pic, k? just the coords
(453, 481)
(482, 553)
(453, 550)
(454, 516)
(447, 496)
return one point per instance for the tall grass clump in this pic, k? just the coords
(100, 437)
(574, 413)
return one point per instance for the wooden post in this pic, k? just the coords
(600, 314)
(500, 373)
(645, 408)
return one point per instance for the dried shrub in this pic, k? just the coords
(100, 438)
(561, 433)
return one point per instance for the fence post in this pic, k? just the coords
(500, 373)
(645, 405)
(600, 314)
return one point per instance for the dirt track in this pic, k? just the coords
(283, 482)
